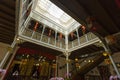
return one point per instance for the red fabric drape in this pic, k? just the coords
(32, 51)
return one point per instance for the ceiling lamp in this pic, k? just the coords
(76, 59)
(105, 54)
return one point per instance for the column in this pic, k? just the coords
(66, 42)
(67, 54)
(56, 66)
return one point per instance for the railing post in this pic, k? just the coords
(42, 32)
(55, 37)
(78, 36)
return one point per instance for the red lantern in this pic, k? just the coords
(83, 29)
(72, 35)
(50, 32)
(60, 36)
(36, 25)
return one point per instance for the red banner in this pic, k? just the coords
(32, 51)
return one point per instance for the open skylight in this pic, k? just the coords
(54, 13)
(54, 10)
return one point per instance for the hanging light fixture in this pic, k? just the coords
(105, 54)
(76, 59)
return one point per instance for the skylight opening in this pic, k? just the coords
(44, 4)
(53, 10)
(65, 18)
(56, 15)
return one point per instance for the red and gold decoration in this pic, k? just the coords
(32, 51)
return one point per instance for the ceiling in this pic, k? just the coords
(106, 16)
(7, 21)
(105, 12)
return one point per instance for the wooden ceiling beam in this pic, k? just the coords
(10, 28)
(7, 17)
(6, 22)
(7, 10)
(3, 30)
(110, 16)
(7, 37)
(4, 40)
(7, 34)
(8, 3)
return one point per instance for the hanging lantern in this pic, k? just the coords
(110, 39)
(60, 36)
(50, 32)
(36, 25)
(107, 61)
(105, 54)
(77, 64)
(76, 59)
(83, 29)
(72, 34)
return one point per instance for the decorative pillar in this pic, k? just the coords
(67, 54)
(106, 47)
(56, 66)
(66, 42)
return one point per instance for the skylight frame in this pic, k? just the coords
(66, 26)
